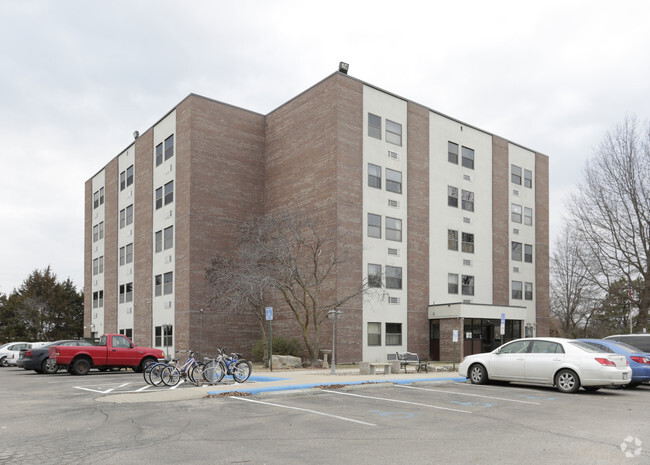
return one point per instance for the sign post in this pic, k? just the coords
(503, 327)
(269, 318)
(455, 340)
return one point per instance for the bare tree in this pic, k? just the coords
(295, 259)
(573, 293)
(611, 212)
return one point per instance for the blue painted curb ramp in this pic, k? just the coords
(294, 387)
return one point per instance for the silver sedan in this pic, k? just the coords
(565, 363)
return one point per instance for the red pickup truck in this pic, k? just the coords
(112, 351)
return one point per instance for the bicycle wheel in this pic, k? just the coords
(242, 370)
(155, 374)
(146, 372)
(194, 374)
(214, 371)
(170, 376)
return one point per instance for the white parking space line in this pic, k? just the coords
(304, 410)
(398, 401)
(467, 394)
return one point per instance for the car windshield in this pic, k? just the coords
(586, 347)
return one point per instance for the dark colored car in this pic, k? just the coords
(39, 359)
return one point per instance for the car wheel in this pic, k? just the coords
(477, 374)
(3, 362)
(49, 367)
(80, 367)
(567, 381)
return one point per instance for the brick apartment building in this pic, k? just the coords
(450, 219)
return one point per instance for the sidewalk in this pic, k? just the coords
(278, 381)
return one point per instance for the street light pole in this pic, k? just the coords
(334, 315)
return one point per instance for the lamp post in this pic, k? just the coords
(334, 315)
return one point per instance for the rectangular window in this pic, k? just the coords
(374, 275)
(468, 243)
(159, 154)
(515, 211)
(169, 147)
(393, 277)
(393, 334)
(95, 266)
(95, 199)
(158, 338)
(159, 198)
(374, 225)
(374, 334)
(528, 216)
(515, 174)
(468, 201)
(528, 253)
(169, 192)
(122, 256)
(393, 181)
(516, 290)
(126, 293)
(374, 176)
(158, 285)
(468, 158)
(393, 132)
(452, 152)
(452, 196)
(452, 283)
(374, 126)
(528, 178)
(101, 230)
(393, 229)
(129, 253)
(95, 233)
(516, 251)
(129, 215)
(101, 196)
(468, 285)
(123, 180)
(164, 336)
(168, 283)
(158, 241)
(528, 291)
(129, 176)
(168, 235)
(452, 239)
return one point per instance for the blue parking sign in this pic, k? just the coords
(269, 313)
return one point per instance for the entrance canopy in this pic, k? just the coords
(483, 311)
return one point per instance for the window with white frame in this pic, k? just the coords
(516, 251)
(374, 126)
(374, 176)
(467, 285)
(452, 196)
(126, 254)
(374, 334)
(452, 283)
(528, 291)
(168, 283)
(374, 275)
(393, 132)
(528, 178)
(393, 229)
(374, 225)
(452, 239)
(528, 253)
(159, 154)
(516, 290)
(515, 174)
(126, 293)
(393, 334)
(468, 201)
(468, 157)
(169, 147)
(126, 216)
(393, 277)
(528, 216)
(126, 178)
(393, 181)
(515, 211)
(452, 152)
(468, 242)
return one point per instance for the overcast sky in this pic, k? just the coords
(78, 77)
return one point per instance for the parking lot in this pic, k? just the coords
(58, 419)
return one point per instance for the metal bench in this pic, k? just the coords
(411, 359)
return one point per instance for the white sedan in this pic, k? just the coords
(564, 363)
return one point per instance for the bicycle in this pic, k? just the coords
(190, 370)
(152, 372)
(240, 369)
